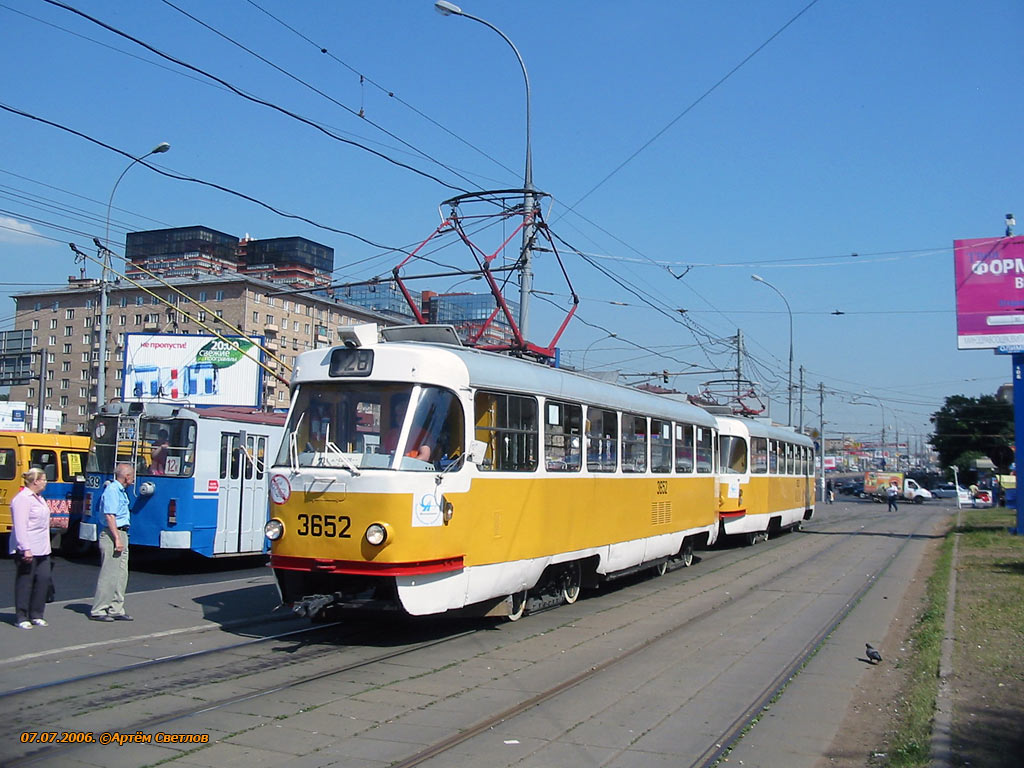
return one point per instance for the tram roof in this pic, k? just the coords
(492, 370)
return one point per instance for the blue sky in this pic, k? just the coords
(878, 128)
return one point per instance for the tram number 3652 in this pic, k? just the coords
(325, 525)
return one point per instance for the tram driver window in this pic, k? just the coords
(562, 436)
(733, 451)
(436, 431)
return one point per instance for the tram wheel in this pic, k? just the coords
(516, 605)
(572, 580)
(687, 555)
(661, 568)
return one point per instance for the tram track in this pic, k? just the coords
(722, 743)
(747, 558)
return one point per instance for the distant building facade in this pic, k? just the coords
(66, 323)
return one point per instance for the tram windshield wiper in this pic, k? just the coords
(330, 447)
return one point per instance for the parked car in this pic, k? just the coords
(852, 488)
(949, 491)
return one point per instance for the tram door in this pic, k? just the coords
(242, 496)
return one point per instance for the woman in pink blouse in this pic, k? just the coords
(30, 545)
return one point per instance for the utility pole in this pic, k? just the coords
(821, 438)
(801, 400)
(739, 361)
(41, 399)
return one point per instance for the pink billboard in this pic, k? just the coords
(989, 292)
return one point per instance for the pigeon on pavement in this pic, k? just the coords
(873, 655)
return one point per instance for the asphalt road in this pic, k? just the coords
(75, 579)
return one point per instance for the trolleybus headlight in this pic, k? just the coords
(376, 534)
(274, 529)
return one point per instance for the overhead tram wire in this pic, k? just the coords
(158, 64)
(72, 194)
(310, 86)
(249, 97)
(390, 94)
(620, 337)
(694, 103)
(202, 182)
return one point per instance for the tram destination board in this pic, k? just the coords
(346, 361)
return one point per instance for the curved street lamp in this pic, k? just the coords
(583, 359)
(446, 8)
(789, 386)
(101, 372)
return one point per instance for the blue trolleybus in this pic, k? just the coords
(201, 483)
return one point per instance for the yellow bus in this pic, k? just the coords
(62, 458)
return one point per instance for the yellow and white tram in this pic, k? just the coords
(766, 478)
(432, 477)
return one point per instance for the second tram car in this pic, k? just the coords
(429, 477)
(767, 478)
(201, 481)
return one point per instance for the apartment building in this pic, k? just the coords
(66, 323)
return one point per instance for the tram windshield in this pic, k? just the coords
(370, 425)
(153, 446)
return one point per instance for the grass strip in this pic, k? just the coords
(911, 743)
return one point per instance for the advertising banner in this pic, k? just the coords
(193, 370)
(989, 292)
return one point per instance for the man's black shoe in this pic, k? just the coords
(101, 617)
(122, 617)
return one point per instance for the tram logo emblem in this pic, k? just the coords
(426, 512)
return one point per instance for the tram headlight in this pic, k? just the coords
(376, 534)
(274, 529)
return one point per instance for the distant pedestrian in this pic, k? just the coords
(30, 545)
(830, 493)
(973, 490)
(892, 494)
(108, 604)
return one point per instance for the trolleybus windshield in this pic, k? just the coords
(368, 425)
(153, 446)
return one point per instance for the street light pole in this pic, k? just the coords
(583, 360)
(101, 371)
(446, 8)
(759, 279)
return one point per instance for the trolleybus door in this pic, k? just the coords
(242, 498)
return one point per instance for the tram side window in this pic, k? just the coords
(46, 460)
(661, 446)
(508, 425)
(759, 455)
(7, 464)
(684, 448)
(602, 440)
(705, 451)
(562, 436)
(789, 458)
(634, 443)
(773, 457)
(733, 450)
(72, 465)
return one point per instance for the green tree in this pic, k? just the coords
(974, 424)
